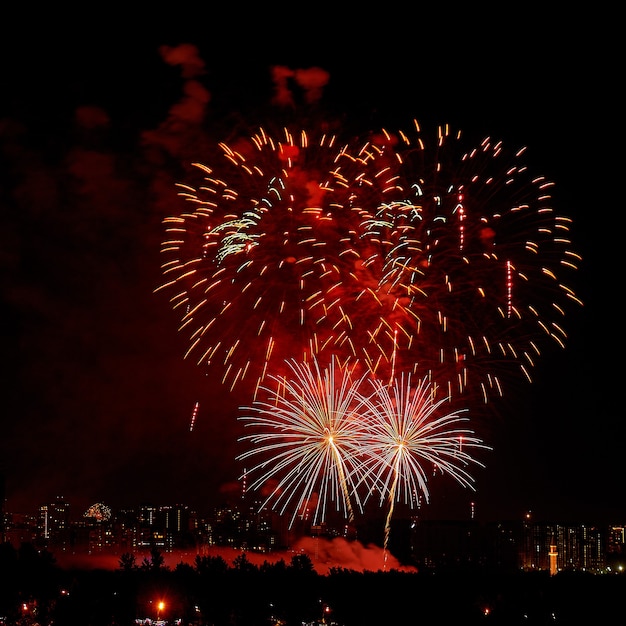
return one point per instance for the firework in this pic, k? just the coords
(407, 434)
(402, 254)
(307, 432)
(322, 440)
(256, 265)
(330, 275)
(468, 254)
(98, 511)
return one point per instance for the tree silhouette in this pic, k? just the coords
(210, 565)
(128, 562)
(301, 563)
(155, 562)
(241, 563)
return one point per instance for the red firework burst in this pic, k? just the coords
(407, 255)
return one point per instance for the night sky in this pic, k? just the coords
(98, 125)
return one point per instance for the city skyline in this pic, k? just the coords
(101, 537)
(100, 403)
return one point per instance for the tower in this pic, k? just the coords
(552, 555)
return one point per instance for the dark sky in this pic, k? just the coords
(97, 125)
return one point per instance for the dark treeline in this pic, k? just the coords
(35, 590)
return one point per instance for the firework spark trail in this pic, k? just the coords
(194, 416)
(406, 432)
(307, 433)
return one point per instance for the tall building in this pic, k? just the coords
(53, 522)
(615, 542)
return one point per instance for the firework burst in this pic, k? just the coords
(257, 265)
(402, 254)
(307, 433)
(407, 434)
(468, 254)
(322, 440)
